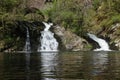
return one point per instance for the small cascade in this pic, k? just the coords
(27, 44)
(102, 43)
(47, 40)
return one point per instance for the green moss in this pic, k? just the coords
(88, 47)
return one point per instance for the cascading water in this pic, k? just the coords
(102, 43)
(47, 40)
(27, 44)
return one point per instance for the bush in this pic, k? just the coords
(8, 5)
(67, 13)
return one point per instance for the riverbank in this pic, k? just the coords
(74, 18)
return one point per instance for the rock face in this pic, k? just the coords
(69, 40)
(36, 3)
(114, 33)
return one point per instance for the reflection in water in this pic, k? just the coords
(48, 63)
(1, 66)
(100, 60)
(71, 65)
(27, 56)
(62, 66)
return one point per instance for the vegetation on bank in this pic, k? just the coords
(80, 16)
(14, 18)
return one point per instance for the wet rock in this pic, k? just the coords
(114, 36)
(34, 17)
(112, 33)
(69, 40)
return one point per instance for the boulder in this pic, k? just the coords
(69, 40)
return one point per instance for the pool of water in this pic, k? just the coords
(60, 66)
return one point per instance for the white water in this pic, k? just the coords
(47, 40)
(27, 44)
(102, 43)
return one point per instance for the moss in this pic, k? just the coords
(88, 47)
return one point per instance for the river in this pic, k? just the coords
(82, 65)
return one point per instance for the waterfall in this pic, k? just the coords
(102, 43)
(27, 44)
(47, 40)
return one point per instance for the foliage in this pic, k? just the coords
(96, 4)
(8, 5)
(102, 15)
(66, 13)
(13, 21)
(78, 16)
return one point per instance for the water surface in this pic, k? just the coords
(60, 66)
